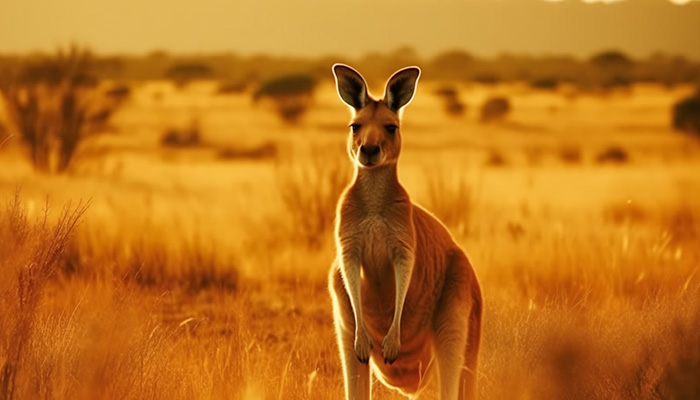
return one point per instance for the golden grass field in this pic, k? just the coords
(200, 272)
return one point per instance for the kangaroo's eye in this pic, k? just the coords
(391, 128)
(355, 127)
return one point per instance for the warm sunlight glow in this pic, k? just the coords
(325, 200)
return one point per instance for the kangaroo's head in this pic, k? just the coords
(375, 129)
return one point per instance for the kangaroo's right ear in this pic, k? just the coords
(351, 86)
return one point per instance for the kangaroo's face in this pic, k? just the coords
(375, 137)
(375, 134)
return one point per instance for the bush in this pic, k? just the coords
(54, 103)
(291, 95)
(545, 83)
(178, 137)
(486, 78)
(613, 154)
(119, 92)
(495, 109)
(233, 87)
(570, 155)
(261, 151)
(184, 73)
(495, 158)
(686, 115)
(451, 102)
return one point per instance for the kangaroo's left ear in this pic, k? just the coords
(401, 87)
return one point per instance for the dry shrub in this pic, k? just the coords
(55, 103)
(450, 98)
(261, 151)
(612, 155)
(154, 258)
(310, 185)
(578, 353)
(291, 95)
(495, 158)
(495, 109)
(624, 213)
(451, 197)
(680, 379)
(603, 311)
(686, 115)
(190, 136)
(185, 72)
(570, 155)
(30, 253)
(545, 83)
(232, 87)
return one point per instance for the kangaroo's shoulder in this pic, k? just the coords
(430, 228)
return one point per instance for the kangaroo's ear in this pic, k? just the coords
(351, 86)
(401, 87)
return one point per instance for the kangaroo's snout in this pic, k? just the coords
(369, 155)
(369, 150)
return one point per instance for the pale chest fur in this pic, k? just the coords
(375, 237)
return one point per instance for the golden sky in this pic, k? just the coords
(316, 27)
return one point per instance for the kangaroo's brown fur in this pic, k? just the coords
(405, 297)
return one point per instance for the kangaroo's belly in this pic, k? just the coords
(412, 369)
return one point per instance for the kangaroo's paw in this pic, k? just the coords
(390, 346)
(363, 346)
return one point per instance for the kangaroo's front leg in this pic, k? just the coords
(403, 260)
(351, 269)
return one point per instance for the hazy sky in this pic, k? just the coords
(316, 27)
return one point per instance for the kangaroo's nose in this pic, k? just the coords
(369, 150)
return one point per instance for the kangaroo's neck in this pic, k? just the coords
(379, 187)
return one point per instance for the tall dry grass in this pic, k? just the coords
(186, 293)
(610, 311)
(310, 183)
(30, 253)
(451, 196)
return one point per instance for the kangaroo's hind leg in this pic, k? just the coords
(357, 374)
(457, 327)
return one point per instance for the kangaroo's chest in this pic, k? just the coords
(376, 237)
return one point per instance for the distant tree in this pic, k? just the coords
(545, 83)
(184, 73)
(291, 95)
(488, 78)
(615, 69)
(452, 65)
(611, 59)
(686, 115)
(54, 103)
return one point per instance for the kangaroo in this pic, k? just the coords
(406, 299)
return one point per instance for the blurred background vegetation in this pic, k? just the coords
(203, 252)
(57, 100)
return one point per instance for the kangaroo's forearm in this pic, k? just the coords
(403, 270)
(351, 271)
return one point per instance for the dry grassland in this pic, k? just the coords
(199, 272)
